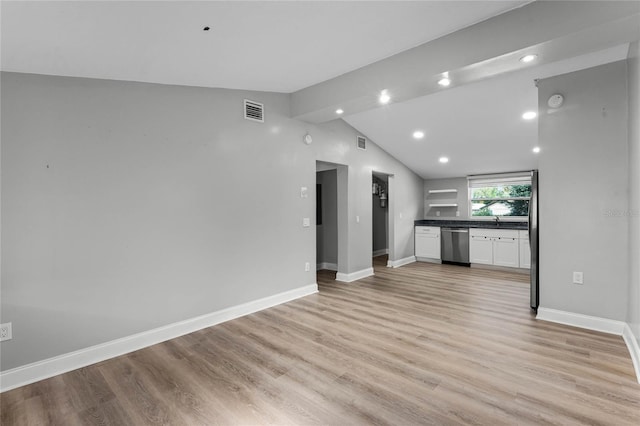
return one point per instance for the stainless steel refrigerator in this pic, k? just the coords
(533, 242)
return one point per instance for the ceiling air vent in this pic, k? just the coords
(253, 111)
(361, 142)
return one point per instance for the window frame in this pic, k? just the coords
(485, 181)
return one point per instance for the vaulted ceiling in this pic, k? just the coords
(340, 55)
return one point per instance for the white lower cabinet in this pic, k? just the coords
(506, 251)
(480, 249)
(525, 250)
(427, 242)
(498, 247)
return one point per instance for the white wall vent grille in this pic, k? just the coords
(361, 142)
(253, 111)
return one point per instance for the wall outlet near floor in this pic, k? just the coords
(307, 267)
(578, 278)
(5, 332)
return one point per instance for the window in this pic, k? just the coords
(500, 195)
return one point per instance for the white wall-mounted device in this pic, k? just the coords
(308, 139)
(555, 101)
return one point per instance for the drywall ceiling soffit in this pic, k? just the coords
(478, 126)
(554, 30)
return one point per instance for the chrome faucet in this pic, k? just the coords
(497, 220)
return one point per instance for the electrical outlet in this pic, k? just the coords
(5, 332)
(307, 267)
(578, 278)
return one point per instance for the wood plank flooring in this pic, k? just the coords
(421, 344)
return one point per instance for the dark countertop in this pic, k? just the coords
(503, 224)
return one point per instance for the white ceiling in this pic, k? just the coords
(288, 46)
(268, 45)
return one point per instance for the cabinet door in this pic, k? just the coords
(481, 250)
(525, 254)
(428, 245)
(506, 252)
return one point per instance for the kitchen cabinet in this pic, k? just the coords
(427, 242)
(506, 251)
(480, 249)
(525, 250)
(500, 247)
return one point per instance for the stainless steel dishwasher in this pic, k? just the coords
(455, 245)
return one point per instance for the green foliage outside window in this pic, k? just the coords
(508, 200)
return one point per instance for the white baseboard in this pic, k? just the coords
(603, 325)
(380, 252)
(44, 369)
(428, 260)
(400, 262)
(354, 276)
(524, 271)
(327, 266)
(634, 349)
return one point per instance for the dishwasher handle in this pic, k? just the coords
(462, 231)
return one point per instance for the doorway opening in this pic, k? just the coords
(381, 215)
(331, 219)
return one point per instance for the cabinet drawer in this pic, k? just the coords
(494, 233)
(428, 230)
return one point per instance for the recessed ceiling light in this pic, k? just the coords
(339, 111)
(536, 149)
(528, 58)
(443, 160)
(529, 115)
(418, 134)
(444, 82)
(384, 97)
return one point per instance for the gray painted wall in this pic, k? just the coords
(633, 316)
(461, 198)
(327, 233)
(583, 185)
(129, 206)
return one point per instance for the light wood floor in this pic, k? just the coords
(421, 344)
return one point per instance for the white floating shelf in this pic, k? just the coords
(441, 191)
(443, 205)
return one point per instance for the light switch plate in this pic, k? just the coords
(306, 222)
(304, 192)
